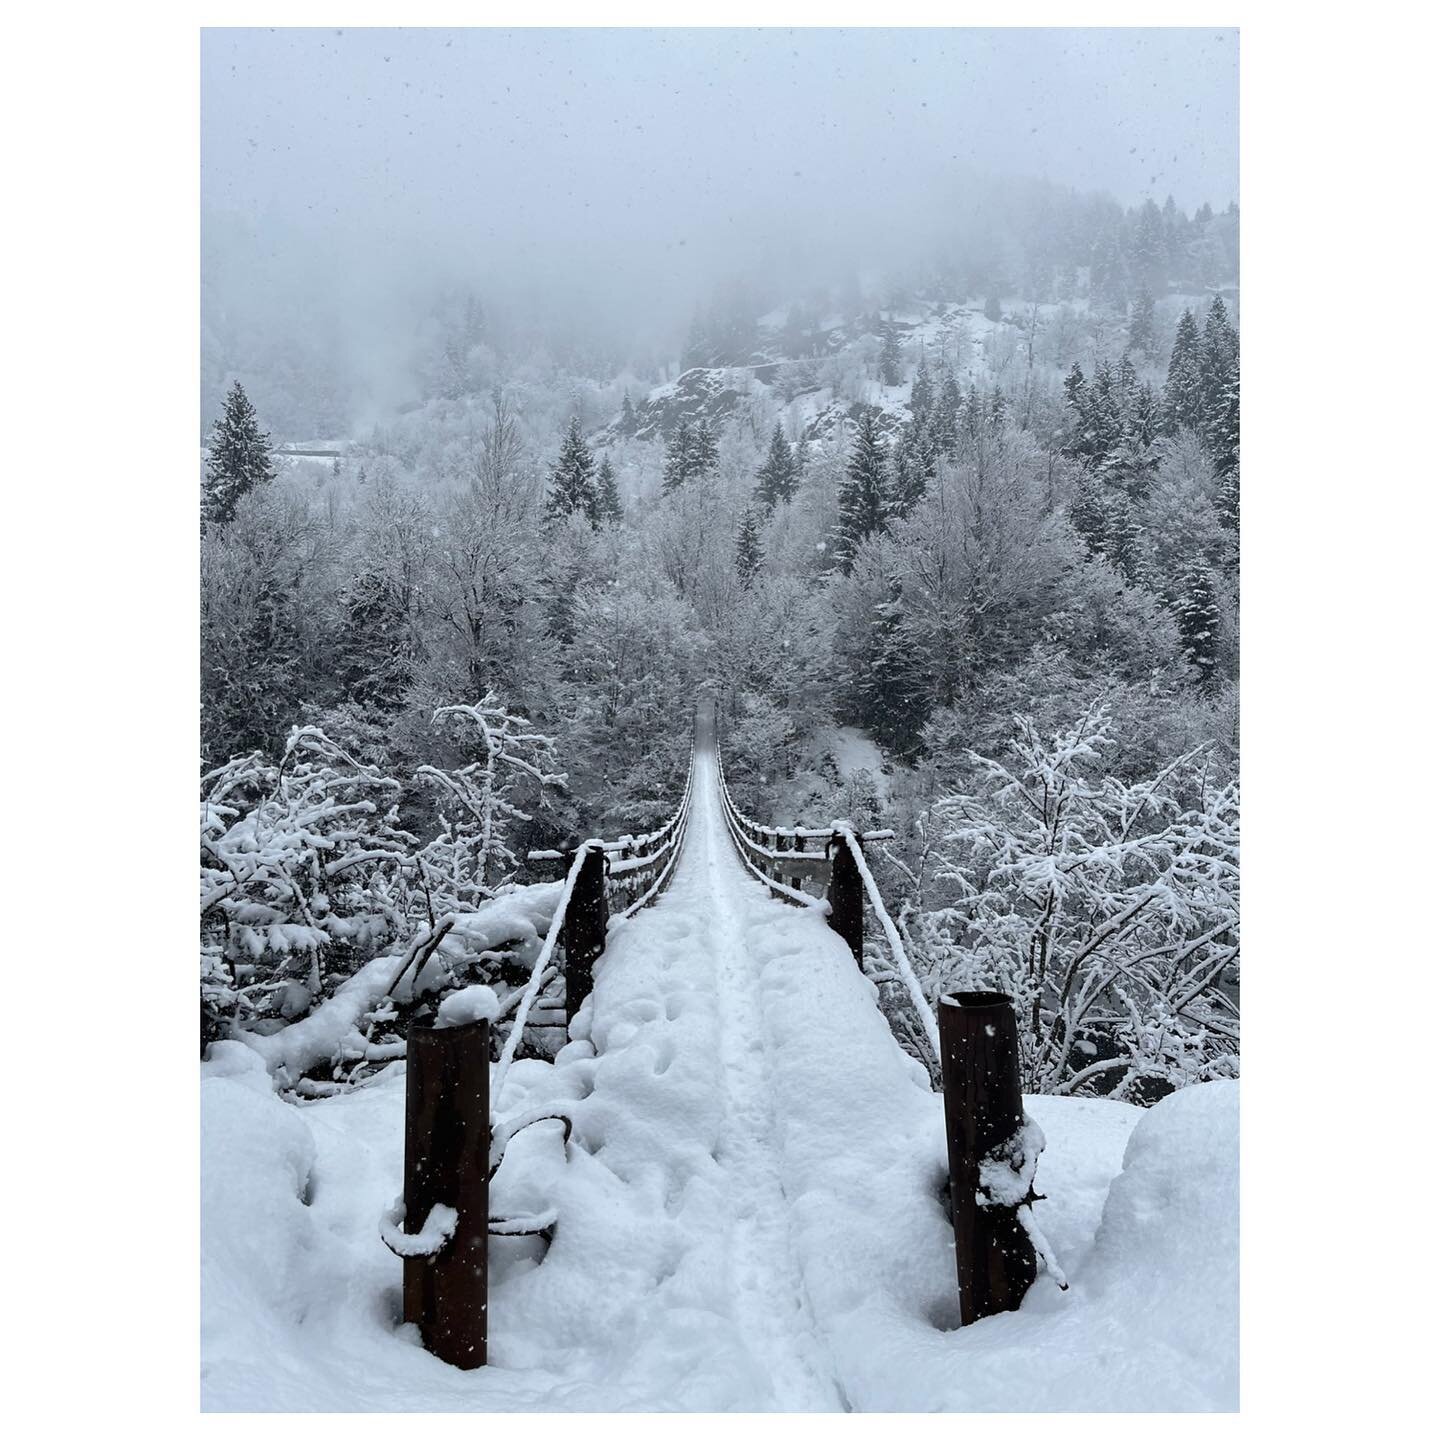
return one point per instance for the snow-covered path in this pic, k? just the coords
(688, 1106)
(771, 1308)
(749, 1214)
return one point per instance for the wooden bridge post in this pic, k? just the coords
(447, 1162)
(846, 896)
(583, 930)
(980, 1073)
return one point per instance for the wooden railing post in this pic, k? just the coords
(980, 1072)
(846, 896)
(583, 931)
(447, 1162)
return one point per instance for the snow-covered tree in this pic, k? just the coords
(896, 682)
(1227, 499)
(1219, 370)
(706, 451)
(572, 482)
(692, 452)
(778, 476)
(302, 877)
(892, 370)
(1183, 403)
(239, 459)
(478, 801)
(945, 414)
(1141, 334)
(1197, 612)
(749, 553)
(913, 461)
(608, 509)
(1107, 910)
(922, 391)
(864, 495)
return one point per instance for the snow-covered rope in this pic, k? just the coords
(737, 822)
(537, 972)
(735, 819)
(897, 947)
(664, 877)
(538, 975)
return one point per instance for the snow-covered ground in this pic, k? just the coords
(748, 1215)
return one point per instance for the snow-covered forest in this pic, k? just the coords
(972, 538)
(947, 531)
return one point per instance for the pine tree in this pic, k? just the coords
(1197, 613)
(691, 452)
(1124, 541)
(777, 477)
(1077, 401)
(706, 454)
(749, 554)
(1142, 420)
(864, 496)
(972, 416)
(891, 369)
(679, 454)
(992, 308)
(627, 416)
(1222, 429)
(998, 411)
(1220, 388)
(1089, 513)
(1141, 337)
(1219, 354)
(1227, 500)
(914, 462)
(1110, 274)
(608, 510)
(455, 375)
(572, 482)
(1182, 405)
(922, 391)
(1147, 248)
(239, 459)
(896, 684)
(945, 420)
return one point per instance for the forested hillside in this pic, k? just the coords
(944, 539)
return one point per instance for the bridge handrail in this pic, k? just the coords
(897, 946)
(627, 861)
(744, 832)
(736, 824)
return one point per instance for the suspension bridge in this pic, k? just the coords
(743, 1084)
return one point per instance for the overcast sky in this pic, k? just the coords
(623, 158)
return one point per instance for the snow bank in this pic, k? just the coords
(1166, 1256)
(521, 915)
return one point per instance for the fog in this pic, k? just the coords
(620, 175)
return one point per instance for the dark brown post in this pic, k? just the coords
(846, 897)
(980, 1074)
(447, 1162)
(583, 930)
